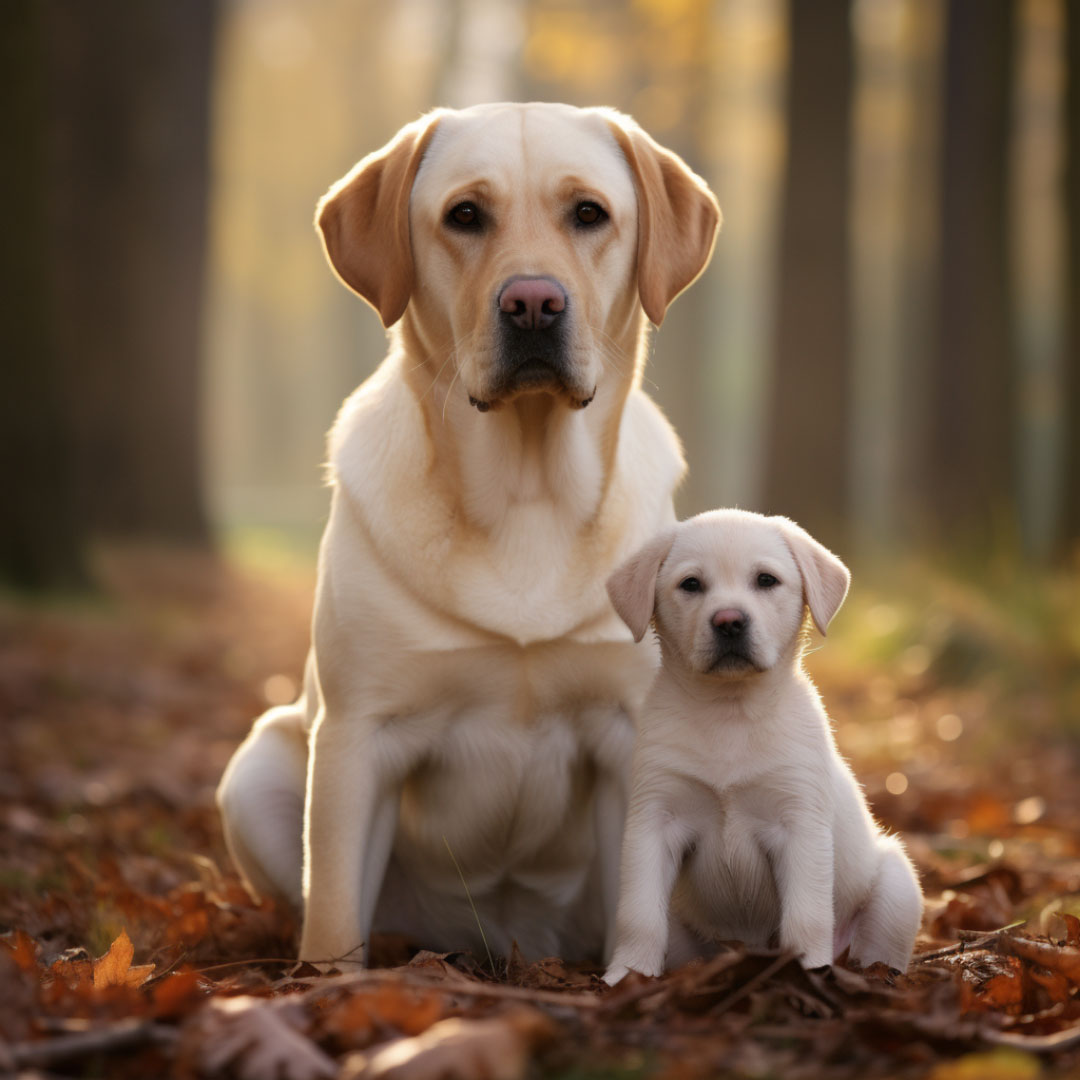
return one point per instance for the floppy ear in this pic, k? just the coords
(825, 578)
(364, 221)
(678, 219)
(632, 587)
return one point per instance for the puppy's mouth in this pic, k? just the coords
(734, 660)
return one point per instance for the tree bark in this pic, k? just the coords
(806, 474)
(1071, 514)
(968, 468)
(40, 544)
(131, 167)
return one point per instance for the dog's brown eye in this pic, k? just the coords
(690, 584)
(589, 213)
(767, 581)
(465, 215)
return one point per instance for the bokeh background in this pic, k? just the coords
(886, 346)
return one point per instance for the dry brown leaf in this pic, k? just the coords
(1062, 959)
(114, 968)
(997, 983)
(23, 951)
(259, 1038)
(1072, 928)
(495, 1049)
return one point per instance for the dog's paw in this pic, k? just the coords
(615, 974)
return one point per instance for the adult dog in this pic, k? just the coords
(467, 703)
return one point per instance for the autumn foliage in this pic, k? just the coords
(128, 948)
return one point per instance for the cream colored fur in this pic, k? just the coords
(469, 692)
(745, 823)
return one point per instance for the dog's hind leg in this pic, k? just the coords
(261, 799)
(886, 926)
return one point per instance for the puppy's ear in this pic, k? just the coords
(632, 587)
(364, 221)
(825, 578)
(678, 218)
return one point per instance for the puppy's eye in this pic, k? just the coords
(465, 216)
(590, 214)
(767, 581)
(690, 584)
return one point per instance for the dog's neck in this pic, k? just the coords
(534, 451)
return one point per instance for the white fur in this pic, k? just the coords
(745, 823)
(469, 690)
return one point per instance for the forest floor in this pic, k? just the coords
(129, 949)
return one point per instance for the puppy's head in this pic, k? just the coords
(523, 241)
(728, 591)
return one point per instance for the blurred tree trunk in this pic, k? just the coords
(1071, 516)
(969, 466)
(131, 118)
(39, 542)
(806, 469)
(106, 183)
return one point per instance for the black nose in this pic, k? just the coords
(532, 303)
(730, 623)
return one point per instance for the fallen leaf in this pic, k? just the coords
(23, 951)
(1072, 928)
(259, 1038)
(996, 983)
(1062, 959)
(114, 968)
(495, 1049)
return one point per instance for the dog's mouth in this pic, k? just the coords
(532, 361)
(533, 375)
(733, 660)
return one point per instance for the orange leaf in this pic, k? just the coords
(114, 968)
(23, 951)
(1072, 928)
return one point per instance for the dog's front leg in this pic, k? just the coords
(353, 794)
(610, 813)
(650, 863)
(804, 868)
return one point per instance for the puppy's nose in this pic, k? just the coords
(730, 622)
(532, 303)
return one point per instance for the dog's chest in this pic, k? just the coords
(497, 793)
(507, 779)
(727, 888)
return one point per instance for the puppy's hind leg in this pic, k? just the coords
(886, 926)
(261, 800)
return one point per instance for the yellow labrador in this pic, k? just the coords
(467, 699)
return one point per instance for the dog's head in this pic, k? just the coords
(729, 590)
(523, 241)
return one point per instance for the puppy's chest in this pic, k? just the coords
(727, 886)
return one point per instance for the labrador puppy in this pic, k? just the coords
(455, 768)
(745, 823)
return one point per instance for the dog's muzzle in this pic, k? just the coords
(532, 344)
(731, 638)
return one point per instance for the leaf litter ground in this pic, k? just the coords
(128, 947)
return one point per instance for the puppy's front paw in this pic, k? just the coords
(615, 974)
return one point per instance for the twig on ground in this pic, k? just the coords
(121, 1036)
(752, 984)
